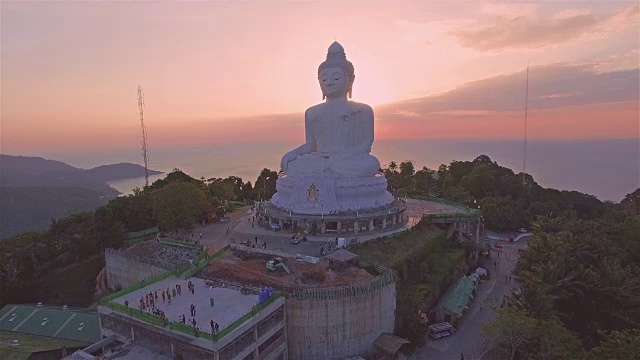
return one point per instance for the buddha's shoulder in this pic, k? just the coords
(319, 109)
(315, 110)
(364, 108)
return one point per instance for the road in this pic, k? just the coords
(468, 338)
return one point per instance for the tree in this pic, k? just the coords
(588, 272)
(176, 175)
(247, 191)
(516, 334)
(458, 194)
(481, 181)
(619, 345)
(133, 211)
(502, 213)
(632, 202)
(265, 185)
(423, 183)
(11, 268)
(178, 205)
(221, 190)
(510, 331)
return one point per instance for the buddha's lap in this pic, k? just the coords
(354, 165)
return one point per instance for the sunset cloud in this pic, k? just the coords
(550, 86)
(572, 101)
(213, 71)
(522, 29)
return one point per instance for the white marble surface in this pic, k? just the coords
(338, 132)
(334, 194)
(336, 155)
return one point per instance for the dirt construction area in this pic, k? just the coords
(252, 271)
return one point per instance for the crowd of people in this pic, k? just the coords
(151, 303)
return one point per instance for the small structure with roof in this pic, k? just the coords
(458, 299)
(388, 346)
(341, 258)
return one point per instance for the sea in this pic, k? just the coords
(608, 169)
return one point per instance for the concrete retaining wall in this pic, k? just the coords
(123, 270)
(158, 340)
(339, 326)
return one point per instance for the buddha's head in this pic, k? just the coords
(336, 74)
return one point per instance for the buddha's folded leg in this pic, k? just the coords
(307, 164)
(362, 165)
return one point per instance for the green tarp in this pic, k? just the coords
(459, 298)
(51, 322)
(147, 234)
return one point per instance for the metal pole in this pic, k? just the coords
(526, 108)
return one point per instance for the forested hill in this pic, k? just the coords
(578, 294)
(35, 207)
(35, 190)
(118, 172)
(35, 171)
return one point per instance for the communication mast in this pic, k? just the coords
(526, 106)
(144, 136)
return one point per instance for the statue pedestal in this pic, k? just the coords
(316, 195)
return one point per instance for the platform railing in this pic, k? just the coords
(386, 277)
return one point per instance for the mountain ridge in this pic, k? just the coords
(21, 171)
(34, 190)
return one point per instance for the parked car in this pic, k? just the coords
(440, 330)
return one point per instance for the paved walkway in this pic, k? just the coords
(468, 338)
(215, 235)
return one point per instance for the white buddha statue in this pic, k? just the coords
(338, 132)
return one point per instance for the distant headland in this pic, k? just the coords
(35, 190)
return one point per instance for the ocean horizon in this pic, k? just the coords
(608, 169)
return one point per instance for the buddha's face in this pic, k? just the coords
(334, 82)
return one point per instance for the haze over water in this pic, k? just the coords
(608, 169)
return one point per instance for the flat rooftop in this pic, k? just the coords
(229, 304)
(251, 270)
(153, 250)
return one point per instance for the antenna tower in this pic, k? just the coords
(144, 136)
(526, 108)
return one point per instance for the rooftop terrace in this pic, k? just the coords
(229, 304)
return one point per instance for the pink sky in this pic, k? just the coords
(223, 71)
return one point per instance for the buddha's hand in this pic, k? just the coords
(288, 157)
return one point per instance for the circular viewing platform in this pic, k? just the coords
(388, 217)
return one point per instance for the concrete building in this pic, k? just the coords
(247, 329)
(323, 308)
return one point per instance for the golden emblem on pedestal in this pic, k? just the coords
(313, 191)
